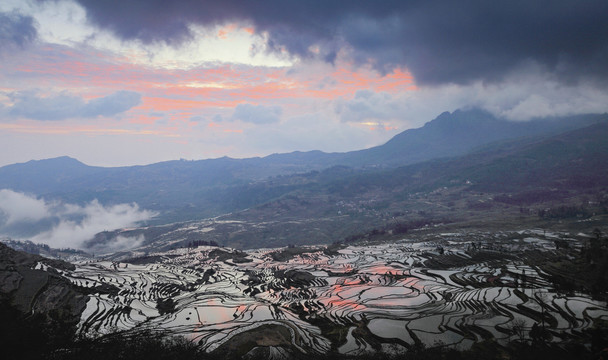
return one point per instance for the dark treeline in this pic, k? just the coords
(397, 228)
(564, 212)
(532, 197)
(196, 243)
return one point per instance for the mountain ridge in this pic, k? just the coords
(505, 185)
(183, 190)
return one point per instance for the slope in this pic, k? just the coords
(182, 190)
(487, 187)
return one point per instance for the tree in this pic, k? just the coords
(518, 328)
(165, 306)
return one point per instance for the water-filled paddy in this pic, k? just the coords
(383, 290)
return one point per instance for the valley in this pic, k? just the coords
(495, 250)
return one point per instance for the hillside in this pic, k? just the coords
(506, 184)
(453, 134)
(187, 190)
(33, 285)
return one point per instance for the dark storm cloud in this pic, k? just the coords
(29, 104)
(16, 31)
(439, 41)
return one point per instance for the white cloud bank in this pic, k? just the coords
(119, 243)
(18, 207)
(71, 225)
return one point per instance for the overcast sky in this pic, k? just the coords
(140, 81)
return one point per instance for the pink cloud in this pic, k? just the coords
(180, 94)
(226, 30)
(144, 119)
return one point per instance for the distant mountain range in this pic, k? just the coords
(183, 190)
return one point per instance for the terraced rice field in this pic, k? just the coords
(380, 296)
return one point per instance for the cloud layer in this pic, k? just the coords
(17, 207)
(28, 104)
(62, 225)
(439, 41)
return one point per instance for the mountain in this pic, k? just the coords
(502, 185)
(457, 133)
(182, 190)
(45, 176)
(573, 160)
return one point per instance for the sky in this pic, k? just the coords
(117, 83)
